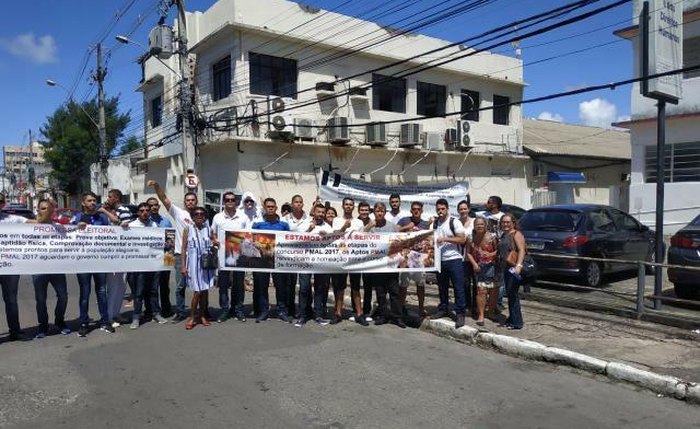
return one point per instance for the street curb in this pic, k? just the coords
(658, 383)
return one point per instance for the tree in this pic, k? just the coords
(131, 144)
(71, 142)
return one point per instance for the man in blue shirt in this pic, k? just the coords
(261, 281)
(164, 277)
(90, 216)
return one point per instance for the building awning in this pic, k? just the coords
(563, 177)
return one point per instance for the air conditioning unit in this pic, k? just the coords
(338, 131)
(281, 119)
(463, 140)
(304, 128)
(161, 42)
(450, 138)
(375, 135)
(410, 135)
(433, 141)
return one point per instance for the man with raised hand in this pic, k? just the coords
(147, 282)
(261, 280)
(10, 282)
(347, 224)
(182, 218)
(449, 235)
(90, 216)
(317, 225)
(229, 219)
(296, 219)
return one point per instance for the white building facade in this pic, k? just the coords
(682, 157)
(278, 100)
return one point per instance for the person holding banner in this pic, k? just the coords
(164, 277)
(414, 222)
(395, 214)
(347, 224)
(196, 240)
(449, 233)
(10, 283)
(363, 216)
(297, 220)
(317, 225)
(116, 282)
(182, 220)
(230, 219)
(90, 216)
(385, 282)
(261, 280)
(41, 283)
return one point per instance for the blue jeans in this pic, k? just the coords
(148, 283)
(320, 295)
(237, 288)
(60, 286)
(101, 292)
(180, 287)
(452, 271)
(515, 315)
(9, 285)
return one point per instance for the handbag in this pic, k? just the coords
(528, 265)
(209, 259)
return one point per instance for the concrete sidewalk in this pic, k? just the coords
(635, 348)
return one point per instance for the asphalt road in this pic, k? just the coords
(274, 375)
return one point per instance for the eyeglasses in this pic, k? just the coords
(229, 200)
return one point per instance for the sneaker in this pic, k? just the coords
(361, 320)
(368, 318)
(40, 335)
(65, 330)
(160, 319)
(321, 321)
(178, 318)
(83, 331)
(438, 315)
(121, 320)
(135, 324)
(115, 324)
(108, 328)
(400, 323)
(240, 316)
(300, 322)
(224, 316)
(263, 317)
(336, 319)
(285, 318)
(460, 321)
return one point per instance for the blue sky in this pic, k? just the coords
(49, 39)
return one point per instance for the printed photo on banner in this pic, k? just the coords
(169, 248)
(250, 249)
(412, 251)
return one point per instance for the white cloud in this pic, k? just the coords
(547, 116)
(41, 50)
(623, 118)
(598, 112)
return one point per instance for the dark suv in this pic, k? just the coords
(685, 250)
(585, 230)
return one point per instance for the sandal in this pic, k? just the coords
(480, 323)
(190, 324)
(204, 321)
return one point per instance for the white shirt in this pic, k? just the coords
(395, 219)
(355, 224)
(10, 218)
(239, 221)
(138, 224)
(324, 227)
(493, 218)
(182, 219)
(297, 224)
(449, 251)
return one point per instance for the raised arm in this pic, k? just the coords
(160, 193)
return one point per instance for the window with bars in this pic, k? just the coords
(681, 163)
(272, 75)
(221, 76)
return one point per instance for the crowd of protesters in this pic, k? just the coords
(480, 261)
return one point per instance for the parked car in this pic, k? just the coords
(685, 250)
(18, 210)
(585, 230)
(64, 215)
(516, 211)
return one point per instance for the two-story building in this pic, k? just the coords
(277, 100)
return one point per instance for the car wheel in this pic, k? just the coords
(593, 274)
(685, 290)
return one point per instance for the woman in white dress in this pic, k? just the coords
(196, 241)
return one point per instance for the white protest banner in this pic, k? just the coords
(334, 187)
(295, 252)
(42, 248)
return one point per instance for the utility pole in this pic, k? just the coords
(102, 128)
(185, 98)
(31, 173)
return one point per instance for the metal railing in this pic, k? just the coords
(641, 279)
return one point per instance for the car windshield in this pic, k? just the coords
(550, 220)
(696, 221)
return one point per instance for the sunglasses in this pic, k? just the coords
(230, 200)
(249, 201)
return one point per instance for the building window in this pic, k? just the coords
(501, 110)
(221, 75)
(432, 99)
(157, 111)
(272, 75)
(470, 105)
(691, 56)
(681, 163)
(388, 93)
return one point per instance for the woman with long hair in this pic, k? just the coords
(469, 273)
(481, 254)
(511, 253)
(195, 242)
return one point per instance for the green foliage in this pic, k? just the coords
(71, 141)
(131, 144)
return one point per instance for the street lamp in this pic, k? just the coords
(50, 82)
